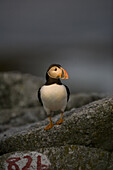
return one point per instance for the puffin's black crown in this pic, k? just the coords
(52, 65)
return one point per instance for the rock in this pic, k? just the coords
(81, 99)
(110, 165)
(63, 157)
(18, 100)
(83, 141)
(21, 116)
(18, 90)
(90, 126)
(24, 160)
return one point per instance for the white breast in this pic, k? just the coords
(54, 97)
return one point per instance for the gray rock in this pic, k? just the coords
(110, 165)
(63, 157)
(76, 157)
(18, 100)
(83, 141)
(21, 116)
(91, 125)
(18, 90)
(81, 99)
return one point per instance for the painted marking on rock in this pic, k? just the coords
(27, 161)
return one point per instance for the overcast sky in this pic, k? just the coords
(37, 22)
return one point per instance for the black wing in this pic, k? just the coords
(39, 96)
(68, 92)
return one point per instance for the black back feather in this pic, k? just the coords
(68, 92)
(39, 96)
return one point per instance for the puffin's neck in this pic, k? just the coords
(50, 80)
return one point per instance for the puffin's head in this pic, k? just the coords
(56, 71)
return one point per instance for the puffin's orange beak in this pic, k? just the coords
(64, 74)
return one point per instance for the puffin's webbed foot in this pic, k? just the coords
(61, 120)
(50, 125)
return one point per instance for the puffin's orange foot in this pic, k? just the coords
(59, 122)
(49, 126)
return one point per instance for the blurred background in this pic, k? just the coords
(76, 34)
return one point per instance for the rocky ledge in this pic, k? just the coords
(83, 141)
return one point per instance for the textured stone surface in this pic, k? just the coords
(83, 141)
(77, 157)
(65, 157)
(18, 100)
(18, 90)
(24, 160)
(90, 126)
(20, 116)
(110, 165)
(81, 99)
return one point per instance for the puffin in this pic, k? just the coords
(54, 95)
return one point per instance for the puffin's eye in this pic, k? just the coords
(55, 69)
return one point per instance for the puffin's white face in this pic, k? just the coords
(56, 72)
